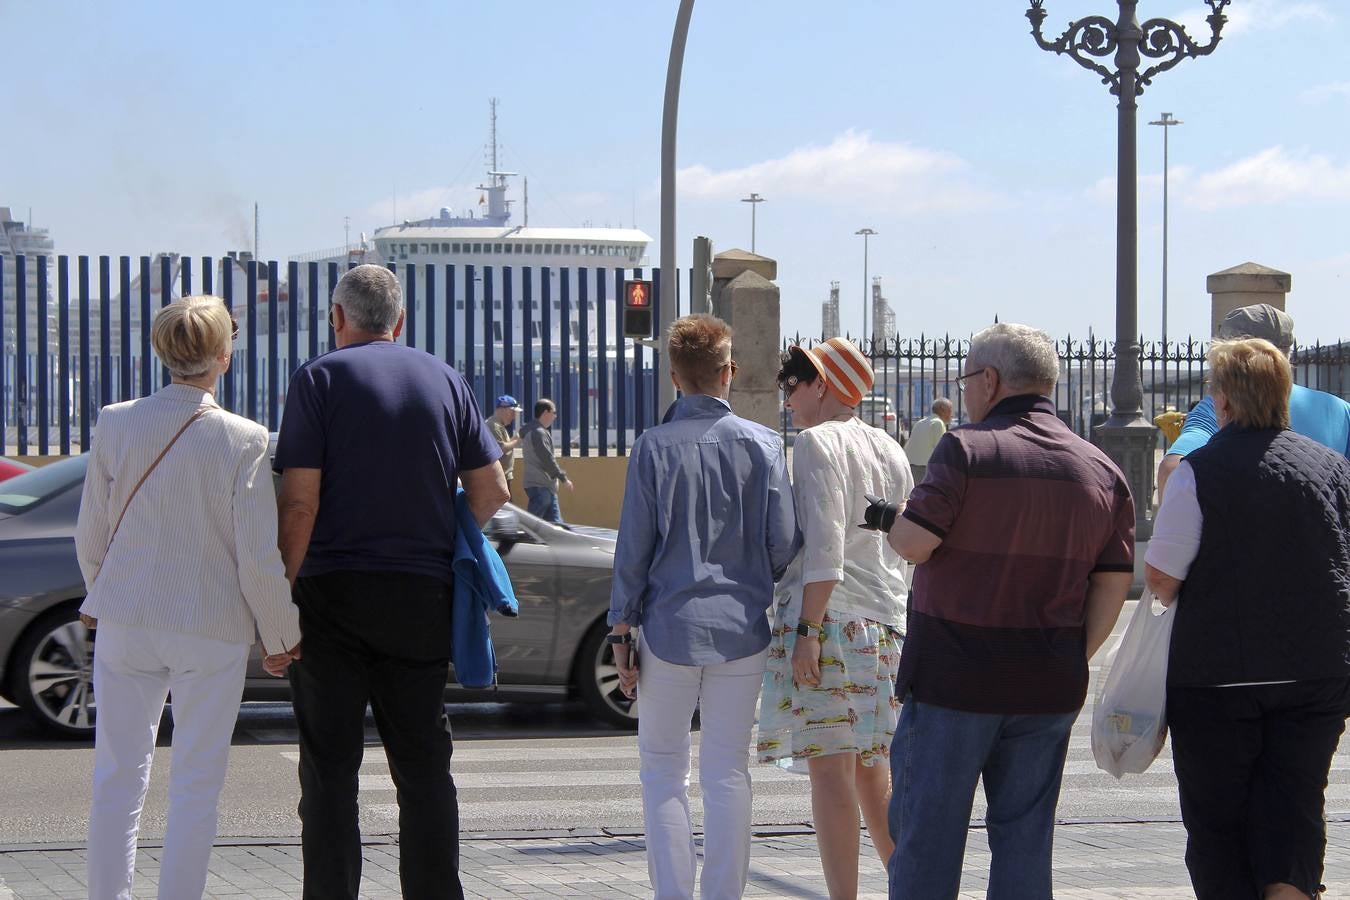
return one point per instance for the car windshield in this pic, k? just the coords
(24, 492)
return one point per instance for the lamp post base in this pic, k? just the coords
(1132, 445)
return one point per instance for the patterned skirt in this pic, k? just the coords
(854, 708)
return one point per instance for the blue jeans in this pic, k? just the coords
(937, 757)
(544, 504)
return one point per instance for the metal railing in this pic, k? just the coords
(568, 345)
(912, 372)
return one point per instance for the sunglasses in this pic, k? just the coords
(234, 327)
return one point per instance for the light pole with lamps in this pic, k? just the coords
(1166, 122)
(754, 200)
(866, 234)
(1126, 437)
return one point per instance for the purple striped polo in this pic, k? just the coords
(1026, 510)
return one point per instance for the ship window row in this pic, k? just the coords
(623, 251)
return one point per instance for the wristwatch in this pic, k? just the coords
(808, 629)
(625, 638)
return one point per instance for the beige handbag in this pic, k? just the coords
(90, 621)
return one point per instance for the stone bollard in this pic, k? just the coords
(1245, 285)
(745, 296)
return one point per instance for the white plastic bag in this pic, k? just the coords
(1129, 723)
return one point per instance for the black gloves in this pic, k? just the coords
(880, 515)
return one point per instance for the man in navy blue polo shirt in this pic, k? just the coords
(375, 437)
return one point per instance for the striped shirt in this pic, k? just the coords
(1026, 511)
(197, 550)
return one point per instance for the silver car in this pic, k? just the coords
(554, 650)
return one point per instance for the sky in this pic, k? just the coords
(985, 165)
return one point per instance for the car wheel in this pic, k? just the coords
(598, 681)
(52, 678)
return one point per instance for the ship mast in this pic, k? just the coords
(499, 209)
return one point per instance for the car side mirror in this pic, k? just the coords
(505, 526)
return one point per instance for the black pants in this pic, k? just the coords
(382, 638)
(1252, 766)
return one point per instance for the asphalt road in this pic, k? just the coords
(518, 767)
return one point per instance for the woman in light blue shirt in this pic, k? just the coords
(707, 527)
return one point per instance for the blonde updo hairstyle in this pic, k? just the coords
(190, 334)
(1254, 376)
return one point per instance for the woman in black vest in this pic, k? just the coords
(1253, 540)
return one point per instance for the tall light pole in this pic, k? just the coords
(754, 200)
(1166, 122)
(866, 234)
(670, 114)
(1126, 437)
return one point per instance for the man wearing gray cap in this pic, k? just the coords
(1316, 414)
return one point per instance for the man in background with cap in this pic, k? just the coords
(1316, 414)
(500, 424)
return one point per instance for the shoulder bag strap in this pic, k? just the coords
(195, 416)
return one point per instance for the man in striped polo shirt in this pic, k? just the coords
(1024, 536)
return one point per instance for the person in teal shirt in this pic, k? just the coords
(1316, 414)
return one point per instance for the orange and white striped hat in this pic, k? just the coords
(846, 371)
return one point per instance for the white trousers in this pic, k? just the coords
(725, 695)
(134, 669)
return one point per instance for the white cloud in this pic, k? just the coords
(1104, 189)
(1324, 92)
(1273, 175)
(1255, 15)
(853, 168)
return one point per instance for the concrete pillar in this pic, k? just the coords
(1245, 285)
(745, 297)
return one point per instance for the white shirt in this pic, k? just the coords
(197, 550)
(833, 465)
(923, 438)
(1176, 526)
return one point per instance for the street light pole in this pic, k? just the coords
(866, 233)
(670, 114)
(754, 200)
(1126, 436)
(1166, 122)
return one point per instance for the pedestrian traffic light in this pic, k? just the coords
(637, 309)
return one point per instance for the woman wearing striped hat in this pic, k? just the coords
(829, 707)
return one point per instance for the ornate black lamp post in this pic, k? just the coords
(1126, 436)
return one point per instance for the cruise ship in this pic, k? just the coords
(489, 238)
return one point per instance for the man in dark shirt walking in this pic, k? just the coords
(1024, 536)
(374, 438)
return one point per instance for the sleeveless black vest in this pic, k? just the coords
(1268, 596)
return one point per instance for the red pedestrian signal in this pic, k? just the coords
(637, 309)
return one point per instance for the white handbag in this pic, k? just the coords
(1129, 720)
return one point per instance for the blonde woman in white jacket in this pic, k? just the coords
(177, 541)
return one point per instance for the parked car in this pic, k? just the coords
(11, 467)
(554, 650)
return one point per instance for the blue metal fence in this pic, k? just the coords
(66, 354)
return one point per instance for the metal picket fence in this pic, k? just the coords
(912, 372)
(550, 333)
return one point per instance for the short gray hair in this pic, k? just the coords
(940, 404)
(1025, 357)
(371, 297)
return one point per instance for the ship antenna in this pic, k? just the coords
(492, 102)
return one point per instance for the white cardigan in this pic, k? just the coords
(197, 551)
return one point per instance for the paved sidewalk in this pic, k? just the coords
(1092, 860)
